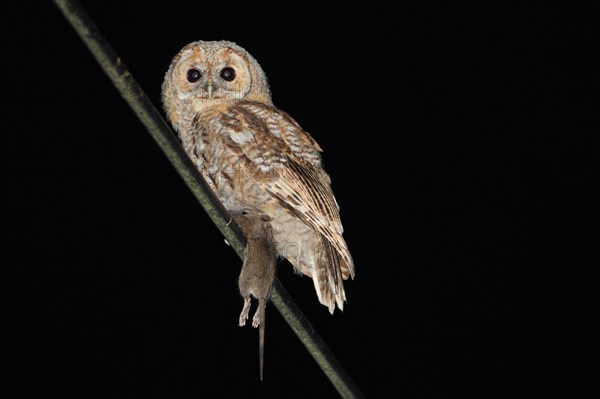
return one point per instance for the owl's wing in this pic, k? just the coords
(280, 155)
(300, 190)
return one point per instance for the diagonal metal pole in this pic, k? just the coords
(168, 142)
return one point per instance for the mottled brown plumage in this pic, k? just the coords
(256, 156)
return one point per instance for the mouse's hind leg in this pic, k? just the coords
(245, 311)
(256, 318)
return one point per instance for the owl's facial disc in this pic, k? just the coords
(220, 75)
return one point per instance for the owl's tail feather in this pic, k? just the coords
(327, 276)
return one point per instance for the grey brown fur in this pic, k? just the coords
(258, 270)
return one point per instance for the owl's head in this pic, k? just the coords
(203, 74)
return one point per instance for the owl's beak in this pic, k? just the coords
(209, 89)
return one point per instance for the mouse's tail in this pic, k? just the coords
(262, 304)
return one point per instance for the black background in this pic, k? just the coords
(459, 144)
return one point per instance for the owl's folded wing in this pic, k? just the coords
(279, 154)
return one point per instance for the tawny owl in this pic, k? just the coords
(255, 156)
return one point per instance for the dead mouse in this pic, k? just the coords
(258, 270)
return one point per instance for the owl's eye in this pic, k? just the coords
(193, 75)
(228, 74)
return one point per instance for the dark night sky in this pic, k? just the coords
(459, 145)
